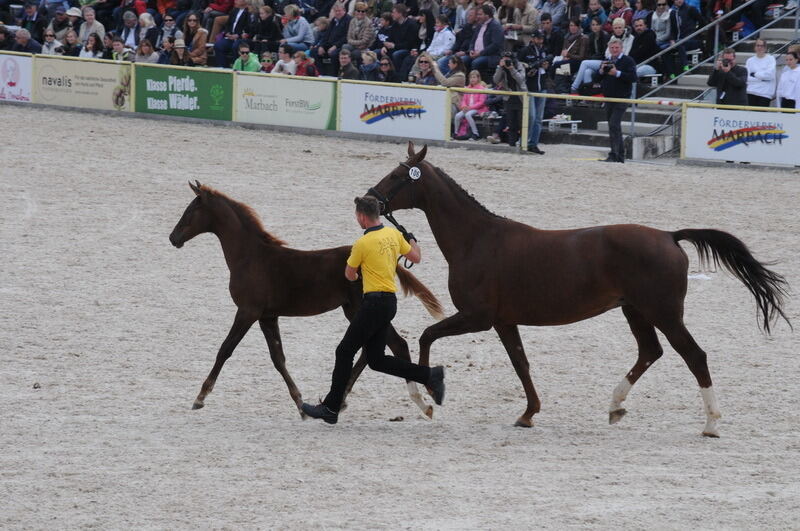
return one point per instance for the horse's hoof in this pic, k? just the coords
(712, 434)
(198, 405)
(616, 415)
(429, 412)
(523, 423)
(303, 416)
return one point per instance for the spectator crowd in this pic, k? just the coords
(486, 45)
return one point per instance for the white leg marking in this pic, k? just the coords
(712, 411)
(620, 394)
(416, 397)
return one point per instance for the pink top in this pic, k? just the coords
(475, 100)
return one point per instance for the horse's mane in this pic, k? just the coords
(246, 215)
(441, 173)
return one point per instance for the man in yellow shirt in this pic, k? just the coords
(376, 252)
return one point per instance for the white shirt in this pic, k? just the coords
(761, 76)
(285, 67)
(442, 41)
(789, 85)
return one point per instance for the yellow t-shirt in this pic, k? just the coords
(377, 252)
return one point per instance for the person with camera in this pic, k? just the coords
(729, 79)
(538, 62)
(617, 76)
(376, 254)
(510, 76)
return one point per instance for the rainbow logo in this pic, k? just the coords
(767, 134)
(408, 109)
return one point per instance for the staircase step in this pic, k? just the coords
(639, 128)
(778, 34)
(694, 80)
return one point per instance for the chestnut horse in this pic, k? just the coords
(504, 274)
(269, 280)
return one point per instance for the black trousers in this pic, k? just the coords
(614, 112)
(758, 101)
(512, 108)
(369, 329)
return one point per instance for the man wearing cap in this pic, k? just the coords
(535, 57)
(33, 21)
(51, 5)
(59, 24)
(376, 253)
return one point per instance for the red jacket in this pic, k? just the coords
(222, 6)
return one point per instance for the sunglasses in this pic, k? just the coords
(361, 10)
(384, 64)
(661, 5)
(244, 52)
(169, 19)
(49, 35)
(424, 62)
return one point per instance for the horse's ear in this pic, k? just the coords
(416, 158)
(410, 149)
(195, 189)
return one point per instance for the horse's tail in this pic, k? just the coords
(768, 287)
(412, 286)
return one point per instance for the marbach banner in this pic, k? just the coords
(393, 110)
(194, 93)
(285, 100)
(742, 136)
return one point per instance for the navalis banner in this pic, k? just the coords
(16, 72)
(284, 100)
(87, 83)
(393, 110)
(742, 136)
(194, 93)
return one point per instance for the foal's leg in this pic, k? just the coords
(241, 324)
(683, 342)
(455, 325)
(649, 351)
(509, 335)
(269, 325)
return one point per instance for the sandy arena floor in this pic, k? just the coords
(107, 332)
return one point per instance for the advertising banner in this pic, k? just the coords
(742, 136)
(90, 84)
(16, 74)
(393, 110)
(281, 100)
(194, 93)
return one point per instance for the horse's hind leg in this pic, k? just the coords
(241, 324)
(649, 351)
(272, 333)
(509, 335)
(683, 342)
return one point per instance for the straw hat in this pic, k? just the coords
(179, 43)
(73, 12)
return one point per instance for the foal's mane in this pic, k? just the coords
(441, 173)
(248, 217)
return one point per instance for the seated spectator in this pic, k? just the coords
(426, 23)
(47, 8)
(470, 105)
(574, 11)
(147, 28)
(233, 34)
(729, 79)
(60, 24)
(685, 20)
(619, 9)
(553, 36)
(119, 51)
(386, 71)
(131, 30)
(761, 73)
(370, 68)
(247, 61)
(319, 27)
(598, 40)
(90, 25)
(460, 47)
(518, 31)
(196, 38)
(24, 43)
(719, 9)
(576, 49)
(461, 14)
(643, 48)
(217, 8)
(510, 75)
(267, 62)
(360, 33)
(456, 77)
(425, 74)
(443, 38)
(403, 37)
(167, 46)
(285, 64)
(382, 33)
(347, 69)
(71, 47)
(640, 10)
(487, 41)
(145, 53)
(326, 54)
(180, 54)
(557, 9)
(448, 9)
(50, 44)
(265, 31)
(789, 83)
(33, 22)
(93, 49)
(74, 22)
(595, 10)
(107, 49)
(169, 29)
(304, 65)
(297, 31)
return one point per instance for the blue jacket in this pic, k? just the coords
(492, 39)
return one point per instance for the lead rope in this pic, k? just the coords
(407, 235)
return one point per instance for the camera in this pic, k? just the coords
(606, 67)
(726, 62)
(508, 59)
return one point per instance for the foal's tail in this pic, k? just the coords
(768, 287)
(412, 286)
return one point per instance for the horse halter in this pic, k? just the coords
(414, 174)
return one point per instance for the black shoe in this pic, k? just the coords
(535, 149)
(610, 158)
(320, 411)
(436, 384)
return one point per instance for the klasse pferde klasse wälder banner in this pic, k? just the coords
(742, 136)
(193, 93)
(393, 110)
